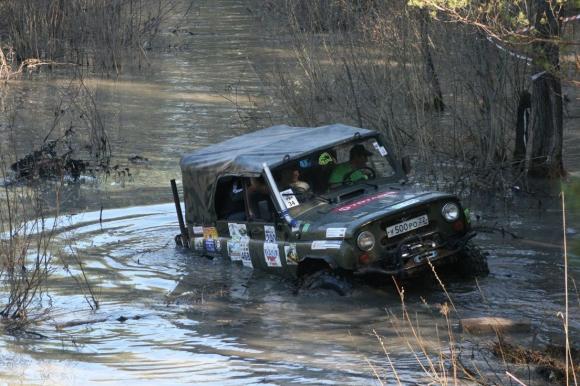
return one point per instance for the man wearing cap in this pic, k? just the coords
(358, 159)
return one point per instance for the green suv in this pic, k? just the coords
(321, 204)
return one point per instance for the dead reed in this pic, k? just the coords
(440, 92)
(32, 190)
(100, 34)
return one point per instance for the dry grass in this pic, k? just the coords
(448, 358)
(25, 249)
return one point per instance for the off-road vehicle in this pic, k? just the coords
(319, 202)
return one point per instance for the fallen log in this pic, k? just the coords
(74, 323)
(486, 325)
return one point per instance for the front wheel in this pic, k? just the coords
(472, 261)
(326, 279)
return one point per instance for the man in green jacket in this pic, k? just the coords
(358, 159)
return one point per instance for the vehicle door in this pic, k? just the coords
(266, 231)
(232, 213)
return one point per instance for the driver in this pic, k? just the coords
(358, 159)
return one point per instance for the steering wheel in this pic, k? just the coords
(372, 174)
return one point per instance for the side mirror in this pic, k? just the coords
(406, 164)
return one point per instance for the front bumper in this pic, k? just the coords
(415, 255)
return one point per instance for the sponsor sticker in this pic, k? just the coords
(291, 254)
(326, 244)
(211, 240)
(235, 250)
(269, 234)
(210, 245)
(198, 230)
(245, 254)
(335, 233)
(296, 228)
(363, 202)
(198, 243)
(210, 233)
(272, 255)
(238, 241)
(405, 204)
(237, 231)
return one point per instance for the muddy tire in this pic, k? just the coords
(325, 279)
(472, 261)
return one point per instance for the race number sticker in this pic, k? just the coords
(269, 234)
(335, 233)
(291, 254)
(380, 149)
(325, 244)
(289, 198)
(272, 255)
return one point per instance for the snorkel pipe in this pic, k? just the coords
(281, 204)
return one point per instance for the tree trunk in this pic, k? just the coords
(522, 129)
(430, 74)
(545, 157)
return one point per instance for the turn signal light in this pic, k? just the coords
(364, 258)
(458, 226)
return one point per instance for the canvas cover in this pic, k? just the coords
(244, 155)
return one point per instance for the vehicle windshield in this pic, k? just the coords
(323, 172)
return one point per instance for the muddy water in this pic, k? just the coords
(190, 320)
(194, 320)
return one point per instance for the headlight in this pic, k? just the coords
(365, 241)
(450, 211)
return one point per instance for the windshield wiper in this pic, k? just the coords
(322, 198)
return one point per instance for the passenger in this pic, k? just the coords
(291, 179)
(237, 210)
(358, 159)
(258, 194)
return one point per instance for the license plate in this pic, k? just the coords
(407, 226)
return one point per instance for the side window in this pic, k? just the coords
(229, 199)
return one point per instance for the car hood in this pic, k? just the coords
(324, 220)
